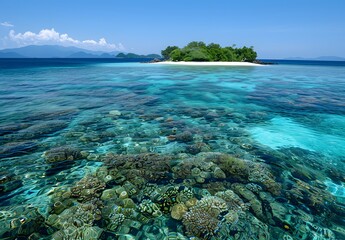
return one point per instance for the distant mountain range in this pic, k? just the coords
(133, 55)
(56, 51)
(322, 58)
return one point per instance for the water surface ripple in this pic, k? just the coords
(95, 149)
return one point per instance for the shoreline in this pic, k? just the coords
(243, 64)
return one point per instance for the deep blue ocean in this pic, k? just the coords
(110, 149)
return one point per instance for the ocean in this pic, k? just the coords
(111, 149)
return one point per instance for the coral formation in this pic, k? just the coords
(205, 218)
(21, 221)
(63, 153)
(178, 211)
(152, 167)
(88, 188)
(150, 209)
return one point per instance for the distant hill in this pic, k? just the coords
(322, 58)
(133, 55)
(330, 58)
(56, 51)
(90, 55)
(52, 51)
(45, 51)
(10, 55)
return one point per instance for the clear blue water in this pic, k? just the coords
(290, 117)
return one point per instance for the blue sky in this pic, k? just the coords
(276, 29)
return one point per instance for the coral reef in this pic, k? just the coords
(62, 153)
(197, 148)
(152, 167)
(204, 219)
(21, 221)
(88, 188)
(244, 170)
(178, 211)
(150, 209)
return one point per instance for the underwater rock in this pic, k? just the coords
(132, 100)
(236, 132)
(64, 114)
(185, 136)
(115, 113)
(13, 149)
(244, 170)
(258, 117)
(22, 221)
(197, 148)
(11, 128)
(249, 227)
(255, 188)
(219, 173)
(233, 167)
(211, 116)
(318, 200)
(255, 204)
(308, 230)
(6, 177)
(63, 153)
(279, 212)
(37, 131)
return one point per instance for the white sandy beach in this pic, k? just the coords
(209, 63)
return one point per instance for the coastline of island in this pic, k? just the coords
(184, 63)
(199, 54)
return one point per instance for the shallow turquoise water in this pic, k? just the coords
(291, 117)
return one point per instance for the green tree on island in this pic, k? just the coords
(166, 53)
(199, 51)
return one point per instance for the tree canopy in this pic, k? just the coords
(199, 51)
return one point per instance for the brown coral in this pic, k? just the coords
(205, 218)
(178, 210)
(152, 167)
(200, 223)
(87, 188)
(63, 153)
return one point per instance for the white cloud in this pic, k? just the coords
(50, 36)
(6, 24)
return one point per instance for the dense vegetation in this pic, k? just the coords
(199, 51)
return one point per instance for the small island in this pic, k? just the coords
(198, 53)
(133, 55)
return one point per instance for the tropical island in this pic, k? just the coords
(198, 53)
